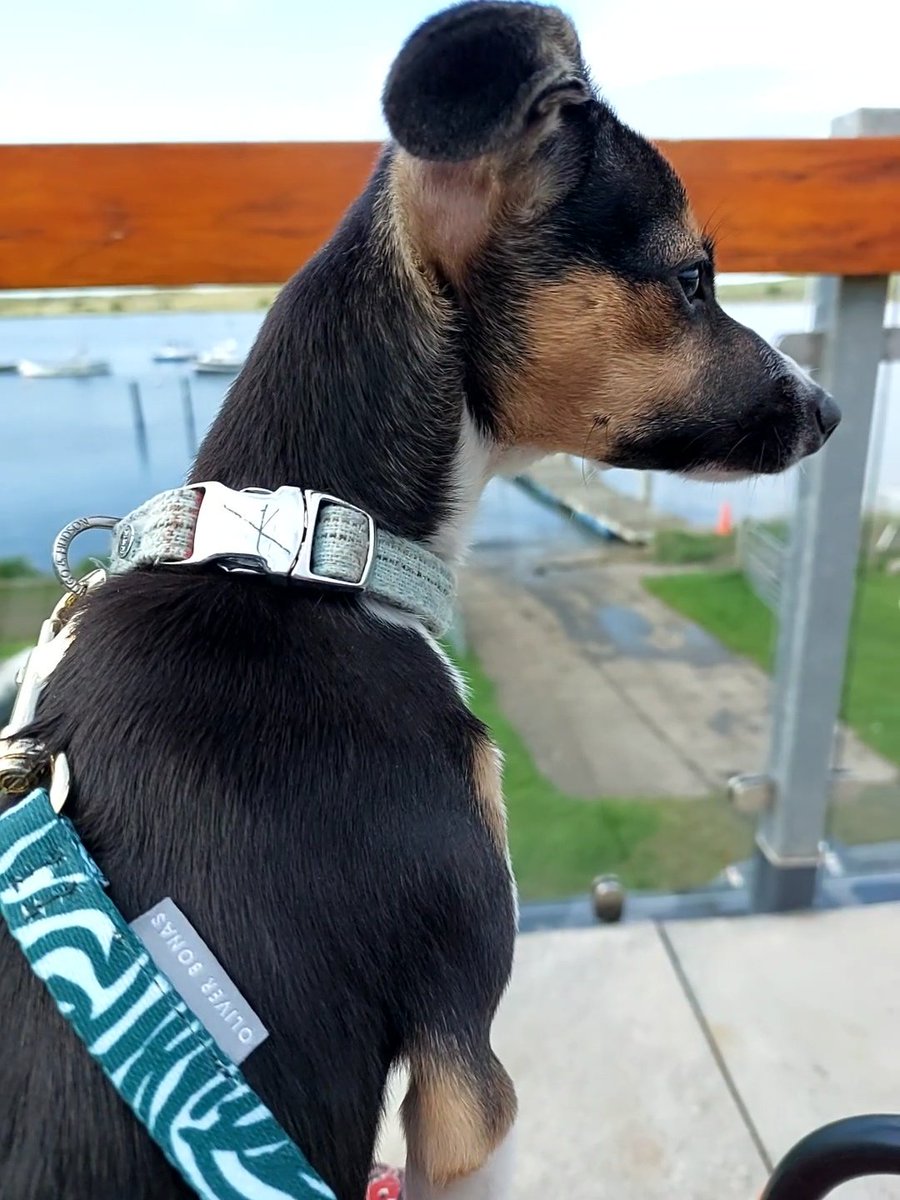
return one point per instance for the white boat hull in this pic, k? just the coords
(85, 369)
(174, 354)
(223, 359)
(217, 368)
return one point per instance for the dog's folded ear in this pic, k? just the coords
(477, 102)
(481, 79)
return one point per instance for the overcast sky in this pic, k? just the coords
(114, 70)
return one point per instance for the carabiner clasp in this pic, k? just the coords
(60, 551)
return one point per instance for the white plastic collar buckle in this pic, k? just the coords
(270, 533)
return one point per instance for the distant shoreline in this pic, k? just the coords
(251, 299)
(163, 300)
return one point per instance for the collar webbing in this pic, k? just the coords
(293, 532)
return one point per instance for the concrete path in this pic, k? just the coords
(683, 1060)
(805, 1012)
(614, 693)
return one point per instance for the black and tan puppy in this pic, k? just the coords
(296, 767)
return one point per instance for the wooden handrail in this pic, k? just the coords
(181, 214)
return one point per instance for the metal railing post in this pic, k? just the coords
(819, 584)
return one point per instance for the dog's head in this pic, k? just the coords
(565, 243)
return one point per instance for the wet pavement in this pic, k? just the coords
(613, 692)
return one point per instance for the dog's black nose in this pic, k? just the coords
(828, 416)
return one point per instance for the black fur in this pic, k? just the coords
(297, 777)
(344, 395)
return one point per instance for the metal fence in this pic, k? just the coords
(761, 553)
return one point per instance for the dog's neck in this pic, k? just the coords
(355, 386)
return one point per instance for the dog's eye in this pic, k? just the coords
(689, 279)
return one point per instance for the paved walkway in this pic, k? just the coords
(678, 1062)
(614, 693)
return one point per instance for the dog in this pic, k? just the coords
(296, 766)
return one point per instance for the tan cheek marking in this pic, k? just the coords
(597, 348)
(487, 780)
(455, 1115)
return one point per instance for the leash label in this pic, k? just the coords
(199, 978)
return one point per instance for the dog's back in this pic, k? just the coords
(298, 776)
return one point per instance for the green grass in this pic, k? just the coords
(17, 568)
(559, 843)
(793, 289)
(763, 290)
(24, 604)
(681, 546)
(724, 604)
(873, 817)
(246, 299)
(8, 649)
(145, 300)
(27, 598)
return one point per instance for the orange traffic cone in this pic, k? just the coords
(725, 523)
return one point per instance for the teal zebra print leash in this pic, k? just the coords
(194, 1102)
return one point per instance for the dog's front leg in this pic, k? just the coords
(458, 1116)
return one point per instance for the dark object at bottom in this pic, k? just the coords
(607, 899)
(836, 1153)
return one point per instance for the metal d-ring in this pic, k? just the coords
(62, 542)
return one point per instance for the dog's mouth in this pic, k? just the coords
(783, 426)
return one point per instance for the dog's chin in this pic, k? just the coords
(778, 455)
(723, 473)
(708, 472)
(715, 474)
(769, 464)
(776, 458)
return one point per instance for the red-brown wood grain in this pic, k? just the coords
(180, 214)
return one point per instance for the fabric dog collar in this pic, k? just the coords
(194, 1102)
(292, 532)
